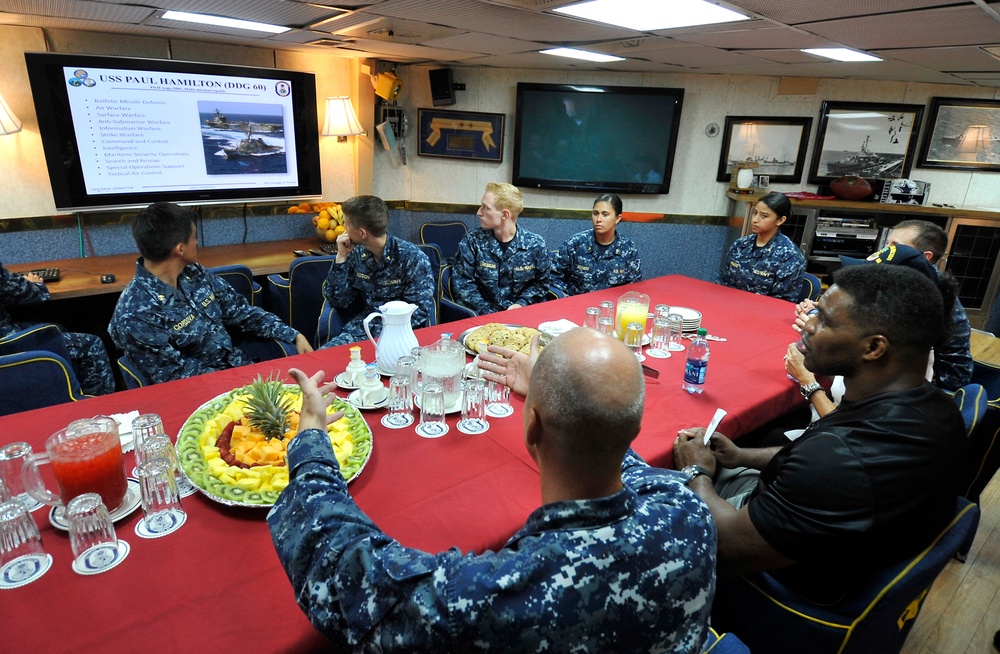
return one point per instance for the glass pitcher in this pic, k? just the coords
(632, 307)
(443, 362)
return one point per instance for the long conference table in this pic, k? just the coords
(217, 583)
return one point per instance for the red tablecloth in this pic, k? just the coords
(217, 583)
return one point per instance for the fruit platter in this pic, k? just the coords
(233, 447)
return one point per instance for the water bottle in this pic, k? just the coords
(697, 363)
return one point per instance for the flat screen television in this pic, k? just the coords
(589, 137)
(122, 132)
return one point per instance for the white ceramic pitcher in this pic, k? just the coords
(397, 337)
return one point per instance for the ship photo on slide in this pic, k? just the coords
(242, 137)
(866, 144)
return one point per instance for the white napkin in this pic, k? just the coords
(124, 421)
(557, 327)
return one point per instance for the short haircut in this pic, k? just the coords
(158, 228)
(929, 237)
(506, 197)
(589, 420)
(613, 200)
(896, 301)
(367, 212)
(778, 203)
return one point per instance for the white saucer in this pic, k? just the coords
(499, 410)
(658, 354)
(166, 522)
(101, 558)
(397, 421)
(344, 382)
(24, 570)
(432, 430)
(133, 496)
(454, 408)
(381, 371)
(355, 399)
(646, 338)
(473, 427)
(185, 487)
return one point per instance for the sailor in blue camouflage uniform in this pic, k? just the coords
(766, 262)
(599, 258)
(87, 354)
(172, 317)
(373, 267)
(621, 557)
(501, 266)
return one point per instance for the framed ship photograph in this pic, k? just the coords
(865, 139)
(776, 145)
(962, 133)
(460, 134)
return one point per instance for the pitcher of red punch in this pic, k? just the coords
(86, 457)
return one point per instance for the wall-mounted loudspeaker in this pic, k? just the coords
(442, 86)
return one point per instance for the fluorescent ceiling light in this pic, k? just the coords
(651, 15)
(573, 53)
(222, 21)
(841, 54)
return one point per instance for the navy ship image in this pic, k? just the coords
(864, 163)
(218, 120)
(252, 147)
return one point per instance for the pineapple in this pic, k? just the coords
(266, 409)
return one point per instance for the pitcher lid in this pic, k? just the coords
(397, 306)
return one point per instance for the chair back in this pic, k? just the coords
(446, 236)
(134, 378)
(43, 336)
(811, 288)
(240, 277)
(47, 376)
(972, 403)
(723, 644)
(875, 615)
(449, 309)
(298, 299)
(988, 375)
(434, 254)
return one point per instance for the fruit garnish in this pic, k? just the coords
(266, 408)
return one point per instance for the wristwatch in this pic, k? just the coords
(693, 471)
(809, 389)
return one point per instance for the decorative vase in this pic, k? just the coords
(851, 187)
(744, 178)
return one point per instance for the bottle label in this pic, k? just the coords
(694, 372)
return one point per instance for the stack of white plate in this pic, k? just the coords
(692, 318)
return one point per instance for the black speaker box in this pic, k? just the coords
(442, 90)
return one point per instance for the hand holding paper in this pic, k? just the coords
(712, 426)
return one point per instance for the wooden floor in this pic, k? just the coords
(962, 611)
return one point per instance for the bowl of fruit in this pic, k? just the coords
(328, 218)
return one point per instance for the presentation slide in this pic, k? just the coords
(155, 131)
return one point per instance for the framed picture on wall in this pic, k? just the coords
(777, 145)
(460, 134)
(865, 139)
(962, 134)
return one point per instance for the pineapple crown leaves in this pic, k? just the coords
(266, 408)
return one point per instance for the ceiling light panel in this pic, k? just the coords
(291, 14)
(583, 55)
(651, 15)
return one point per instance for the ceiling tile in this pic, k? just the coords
(697, 57)
(931, 27)
(945, 59)
(767, 37)
(485, 44)
(793, 13)
(81, 9)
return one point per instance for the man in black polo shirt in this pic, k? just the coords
(870, 482)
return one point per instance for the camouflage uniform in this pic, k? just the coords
(953, 359)
(488, 278)
(172, 333)
(87, 354)
(627, 573)
(583, 265)
(775, 269)
(404, 273)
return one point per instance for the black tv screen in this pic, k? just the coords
(121, 132)
(584, 137)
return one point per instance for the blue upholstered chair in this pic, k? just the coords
(134, 378)
(446, 236)
(240, 277)
(988, 375)
(972, 401)
(35, 359)
(298, 297)
(449, 309)
(717, 643)
(812, 288)
(874, 616)
(434, 254)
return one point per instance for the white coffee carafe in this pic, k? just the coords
(397, 338)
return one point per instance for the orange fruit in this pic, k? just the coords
(305, 207)
(331, 236)
(323, 213)
(294, 210)
(322, 223)
(339, 229)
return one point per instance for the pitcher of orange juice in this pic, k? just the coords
(632, 307)
(86, 457)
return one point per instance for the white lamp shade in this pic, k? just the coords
(9, 123)
(340, 118)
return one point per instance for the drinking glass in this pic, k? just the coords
(161, 500)
(498, 400)
(606, 326)
(90, 526)
(661, 310)
(400, 401)
(633, 339)
(404, 366)
(676, 332)
(18, 532)
(416, 377)
(144, 428)
(659, 343)
(432, 424)
(473, 407)
(607, 310)
(591, 318)
(12, 457)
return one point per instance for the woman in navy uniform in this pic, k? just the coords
(598, 258)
